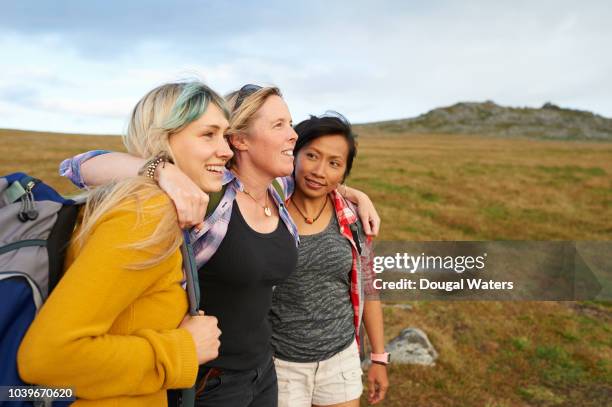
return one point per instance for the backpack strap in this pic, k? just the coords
(58, 241)
(191, 274)
(186, 397)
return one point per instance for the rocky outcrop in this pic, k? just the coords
(489, 118)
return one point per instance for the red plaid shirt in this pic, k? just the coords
(362, 272)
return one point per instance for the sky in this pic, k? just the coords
(80, 66)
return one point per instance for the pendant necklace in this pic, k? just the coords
(266, 208)
(307, 219)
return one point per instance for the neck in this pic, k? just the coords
(253, 181)
(309, 204)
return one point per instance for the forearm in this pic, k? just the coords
(351, 194)
(119, 365)
(378, 381)
(99, 167)
(106, 168)
(373, 322)
(366, 211)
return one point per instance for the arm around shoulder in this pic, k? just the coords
(99, 167)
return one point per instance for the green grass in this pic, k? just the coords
(462, 188)
(487, 188)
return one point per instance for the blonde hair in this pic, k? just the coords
(161, 113)
(242, 116)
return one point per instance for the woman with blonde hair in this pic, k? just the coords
(115, 328)
(245, 247)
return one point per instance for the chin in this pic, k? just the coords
(285, 171)
(211, 186)
(310, 193)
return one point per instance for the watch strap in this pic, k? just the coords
(381, 358)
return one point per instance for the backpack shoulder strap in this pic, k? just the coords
(191, 274)
(58, 241)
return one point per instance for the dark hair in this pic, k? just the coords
(328, 124)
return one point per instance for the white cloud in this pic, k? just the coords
(370, 62)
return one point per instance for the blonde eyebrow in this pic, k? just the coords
(214, 126)
(281, 119)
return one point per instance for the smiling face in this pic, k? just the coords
(321, 165)
(201, 149)
(271, 138)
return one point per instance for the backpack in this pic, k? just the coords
(36, 227)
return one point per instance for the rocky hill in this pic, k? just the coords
(549, 121)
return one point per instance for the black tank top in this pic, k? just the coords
(236, 287)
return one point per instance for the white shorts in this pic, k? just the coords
(331, 381)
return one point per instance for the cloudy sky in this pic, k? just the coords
(79, 66)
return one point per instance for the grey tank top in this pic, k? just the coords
(312, 315)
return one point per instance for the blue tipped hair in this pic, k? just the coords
(191, 104)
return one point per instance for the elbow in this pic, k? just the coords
(28, 365)
(36, 362)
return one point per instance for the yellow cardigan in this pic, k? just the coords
(108, 332)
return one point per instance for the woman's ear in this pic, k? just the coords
(238, 141)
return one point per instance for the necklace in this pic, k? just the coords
(266, 208)
(307, 219)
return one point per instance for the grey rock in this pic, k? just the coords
(399, 306)
(411, 346)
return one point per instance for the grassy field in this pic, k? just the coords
(477, 188)
(440, 187)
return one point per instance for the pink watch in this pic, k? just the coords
(380, 358)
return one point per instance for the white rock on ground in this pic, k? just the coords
(411, 346)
